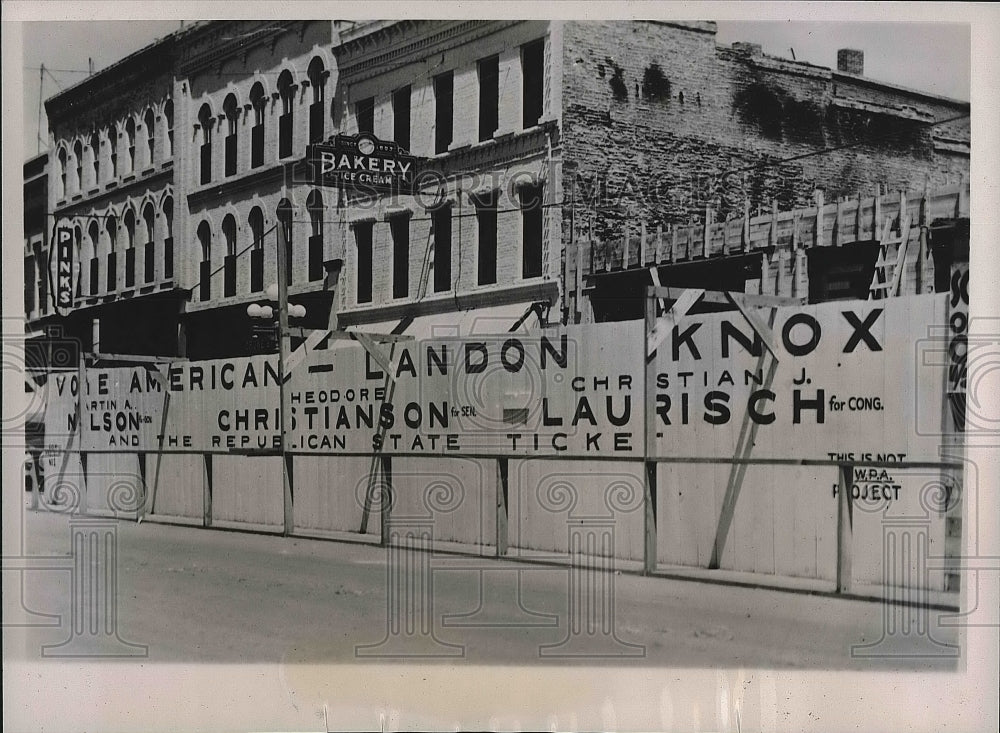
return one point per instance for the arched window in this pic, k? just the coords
(129, 221)
(229, 232)
(95, 150)
(168, 116)
(231, 109)
(78, 154)
(130, 142)
(256, 222)
(205, 126)
(314, 204)
(286, 90)
(257, 100)
(149, 251)
(111, 225)
(168, 241)
(285, 234)
(205, 275)
(113, 148)
(150, 125)
(94, 233)
(317, 114)
(62, 172)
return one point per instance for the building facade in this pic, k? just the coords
(182, 170)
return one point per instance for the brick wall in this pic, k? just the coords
(656, 115)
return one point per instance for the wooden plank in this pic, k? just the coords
(649, 472)
(308, 345)
(502, 497)
(206, 518)
(706, 234)
(763, 330)
(897, 274)
(737, 472)
(375, 337)
(385, 505)
(377, 354)
(845, 527)
(138, 358)
(719, 297)
(663, 324)
(642, 243)
(818, 231)
(649, 519)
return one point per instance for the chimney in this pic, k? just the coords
(851, 61)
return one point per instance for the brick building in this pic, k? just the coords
(111, 163)
(546, 148)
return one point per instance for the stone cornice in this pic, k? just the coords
(210, 46)
(391, 45)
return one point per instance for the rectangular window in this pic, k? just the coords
(364, 111)
(205, 279)
(401, 117)
(256, 269)
(229, 276)
(444, 87)
(486, 221)
(112, 271)
(363, 242)
(531, 231)
(130, 267)
(168, 258)
(317, 120)
(400, 226)
(315, 257)
(257, 145)
(489, 97)
(231, 155)
(533, 81)
(441, 221)
(148, 261)
(206, 162)
(285, 135)
(95, 274)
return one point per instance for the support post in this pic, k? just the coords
(649, 525)
(845, 527)
(385, 501)
(207, 495)
(284, 344)
(649, 473)
(503, 488)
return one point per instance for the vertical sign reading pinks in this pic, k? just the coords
(63, 291)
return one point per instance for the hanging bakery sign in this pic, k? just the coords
(362, 162)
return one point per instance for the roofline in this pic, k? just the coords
(120, 65)
(868, 81)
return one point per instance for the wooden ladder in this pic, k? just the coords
(888, 275)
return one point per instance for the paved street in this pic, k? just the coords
(192, 595)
